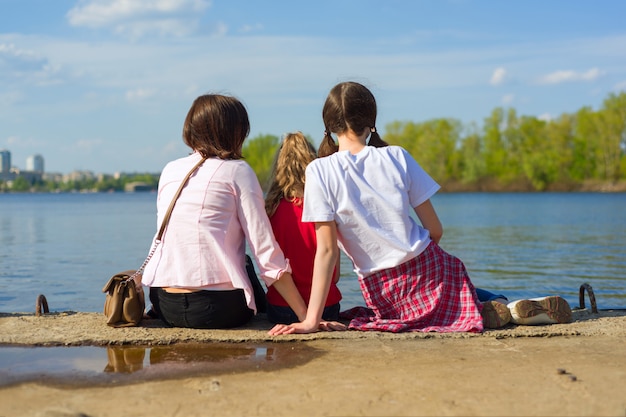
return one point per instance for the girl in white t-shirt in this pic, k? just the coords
(360, 198)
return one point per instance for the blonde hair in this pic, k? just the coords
(288, 172)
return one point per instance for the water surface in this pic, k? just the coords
(66, 246)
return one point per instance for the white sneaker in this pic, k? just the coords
(543, 310)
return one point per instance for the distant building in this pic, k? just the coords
(34, 163)
(6, 174)
(79, 176)
(137, 186)
(5, 161)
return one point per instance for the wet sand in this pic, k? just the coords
(569, 369)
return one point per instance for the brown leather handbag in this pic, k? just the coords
(124, 303)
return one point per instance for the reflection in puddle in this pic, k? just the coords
(125, 364)
(131, 359)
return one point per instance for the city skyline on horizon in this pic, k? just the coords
(33, 160)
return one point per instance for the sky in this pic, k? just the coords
(105, 85)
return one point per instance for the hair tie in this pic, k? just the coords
(326, 133)
(373, 129)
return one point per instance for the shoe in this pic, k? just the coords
(495, 315)
(544, 310)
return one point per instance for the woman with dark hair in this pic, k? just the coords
(197, 274)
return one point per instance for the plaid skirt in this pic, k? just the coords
(430, 293)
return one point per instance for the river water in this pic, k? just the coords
(66, 246)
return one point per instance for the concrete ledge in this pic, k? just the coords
(89, 329)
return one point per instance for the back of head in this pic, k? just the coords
(216, 126)
(349, 106)
(288, 171)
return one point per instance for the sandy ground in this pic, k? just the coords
(571, 369)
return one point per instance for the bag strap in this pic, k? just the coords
(168, 213)
(166, 219)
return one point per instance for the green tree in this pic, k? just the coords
(584, 145)
(259, 153)
(611, 136)
(539, 159)
(559, 133)
(20, 184)
(494, 151)
(472, 163)
(432, 143)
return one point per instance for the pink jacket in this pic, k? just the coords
(204, 245)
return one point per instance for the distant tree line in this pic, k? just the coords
(584, 150)
(509, 153)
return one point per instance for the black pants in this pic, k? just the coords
(208, 309)
(202, 309)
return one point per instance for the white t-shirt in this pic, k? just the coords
(370, 196)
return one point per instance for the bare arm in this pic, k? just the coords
(287, 289)
(428, 216)
(337, 268)
(325, 261)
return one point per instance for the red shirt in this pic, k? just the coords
(298, 242)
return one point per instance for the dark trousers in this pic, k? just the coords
(202, 309)
(208, 309)
(285, 315)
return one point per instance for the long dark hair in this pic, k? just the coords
(349, 105)
(216, 125)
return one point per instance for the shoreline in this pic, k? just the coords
(570, 369)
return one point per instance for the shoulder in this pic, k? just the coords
(231, 167)
(397, 154)
(394, 151)
(240, 174)
(184, 164)
(326, 161)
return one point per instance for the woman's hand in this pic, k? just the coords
(303, 327)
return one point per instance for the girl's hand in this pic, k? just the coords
(332, 326)
(303, 327)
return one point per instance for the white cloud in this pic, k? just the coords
(139, 17)
(546, 117)
(11, 50)
(9, 98)
(620, 86)
(88, 145)
(508, 99)
(17, 59)
(558, 77)
(498, 76)
(219, 29)
(139, 94)
(13, 140)
(251, 28)
(17, 142)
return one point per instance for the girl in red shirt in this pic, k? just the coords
(283, 204)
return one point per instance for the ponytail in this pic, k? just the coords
(328, 145)
(375, 139)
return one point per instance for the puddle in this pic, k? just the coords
(89, 365)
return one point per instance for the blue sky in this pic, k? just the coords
(105, 85)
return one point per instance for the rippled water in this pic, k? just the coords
(66, 246)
